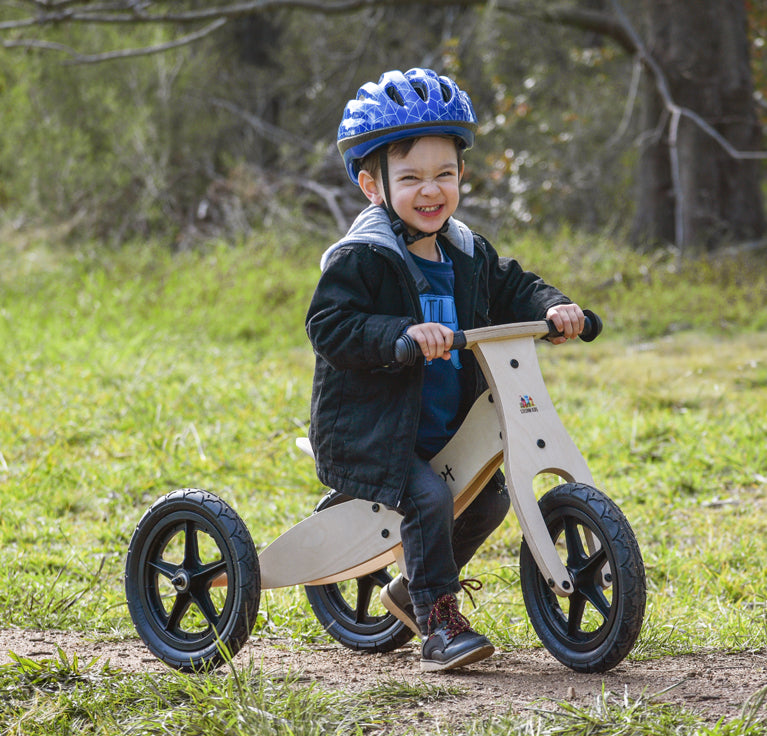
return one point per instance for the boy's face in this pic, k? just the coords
(423, 185)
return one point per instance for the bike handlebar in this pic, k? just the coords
(407, 351)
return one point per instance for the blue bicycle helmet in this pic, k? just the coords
(418, 102)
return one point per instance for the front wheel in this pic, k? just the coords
(595, 627)
(192, 580)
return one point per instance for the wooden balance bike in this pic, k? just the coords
(193, 578)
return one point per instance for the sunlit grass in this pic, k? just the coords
(126, 375)
(616, 713)
(62, 695)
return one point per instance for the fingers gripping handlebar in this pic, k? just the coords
(592, 327)
(407, 350)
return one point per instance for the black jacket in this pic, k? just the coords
(365, 408)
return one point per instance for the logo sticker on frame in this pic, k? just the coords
(527, 405)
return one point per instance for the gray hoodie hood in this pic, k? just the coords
(374, 226)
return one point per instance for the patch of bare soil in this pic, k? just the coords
(715, 684)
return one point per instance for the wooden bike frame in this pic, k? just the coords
(513, 423)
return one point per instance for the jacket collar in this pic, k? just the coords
(373, 226)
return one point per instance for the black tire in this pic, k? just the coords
(351, 611)
(593, 629)
(182, 543)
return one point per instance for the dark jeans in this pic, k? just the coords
(436, 547)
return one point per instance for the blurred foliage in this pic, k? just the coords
(238, 130)
(757, 26)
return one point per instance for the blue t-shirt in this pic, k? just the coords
(441, 396)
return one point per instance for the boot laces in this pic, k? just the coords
(468, 585)
(446, 613)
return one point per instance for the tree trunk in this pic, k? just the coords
(702, 48)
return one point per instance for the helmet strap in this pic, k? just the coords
(404, 238)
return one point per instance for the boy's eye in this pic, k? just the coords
(414, 178)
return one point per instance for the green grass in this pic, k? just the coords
(128, 374)
(63, 696)
(611, 714)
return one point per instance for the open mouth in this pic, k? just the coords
(430, 210)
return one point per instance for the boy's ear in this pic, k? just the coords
(369, 187)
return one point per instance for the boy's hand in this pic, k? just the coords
(568, 319)
(434, 339)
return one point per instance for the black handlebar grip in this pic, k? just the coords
(407, 351)
(592, 326)
(459, 340)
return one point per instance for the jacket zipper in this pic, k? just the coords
(415, 302)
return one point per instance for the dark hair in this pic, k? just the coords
(399, 149)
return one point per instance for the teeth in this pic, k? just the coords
(433, 208)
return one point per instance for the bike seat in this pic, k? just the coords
(304, 445)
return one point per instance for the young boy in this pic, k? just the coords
(407, 266)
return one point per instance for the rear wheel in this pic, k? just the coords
(351, 611)
(192, 580)
(595, 627)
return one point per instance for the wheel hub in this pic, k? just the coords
(181, 581)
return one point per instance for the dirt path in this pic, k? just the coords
(715, 684)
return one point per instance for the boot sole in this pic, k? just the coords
(475, 655)
(395, 610)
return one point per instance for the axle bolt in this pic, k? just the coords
(181, 581)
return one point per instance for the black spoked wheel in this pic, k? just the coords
(351, 611)
(595, 627)
(192, 580)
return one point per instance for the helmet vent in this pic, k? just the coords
(394, 95)
(400, 106)
(420, 90)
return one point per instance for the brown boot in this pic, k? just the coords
(396, 600)
(451, 641)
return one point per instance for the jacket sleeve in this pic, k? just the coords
(517, 295)
(342, 322)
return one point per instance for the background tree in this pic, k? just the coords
(692, 189)
(250, 108)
